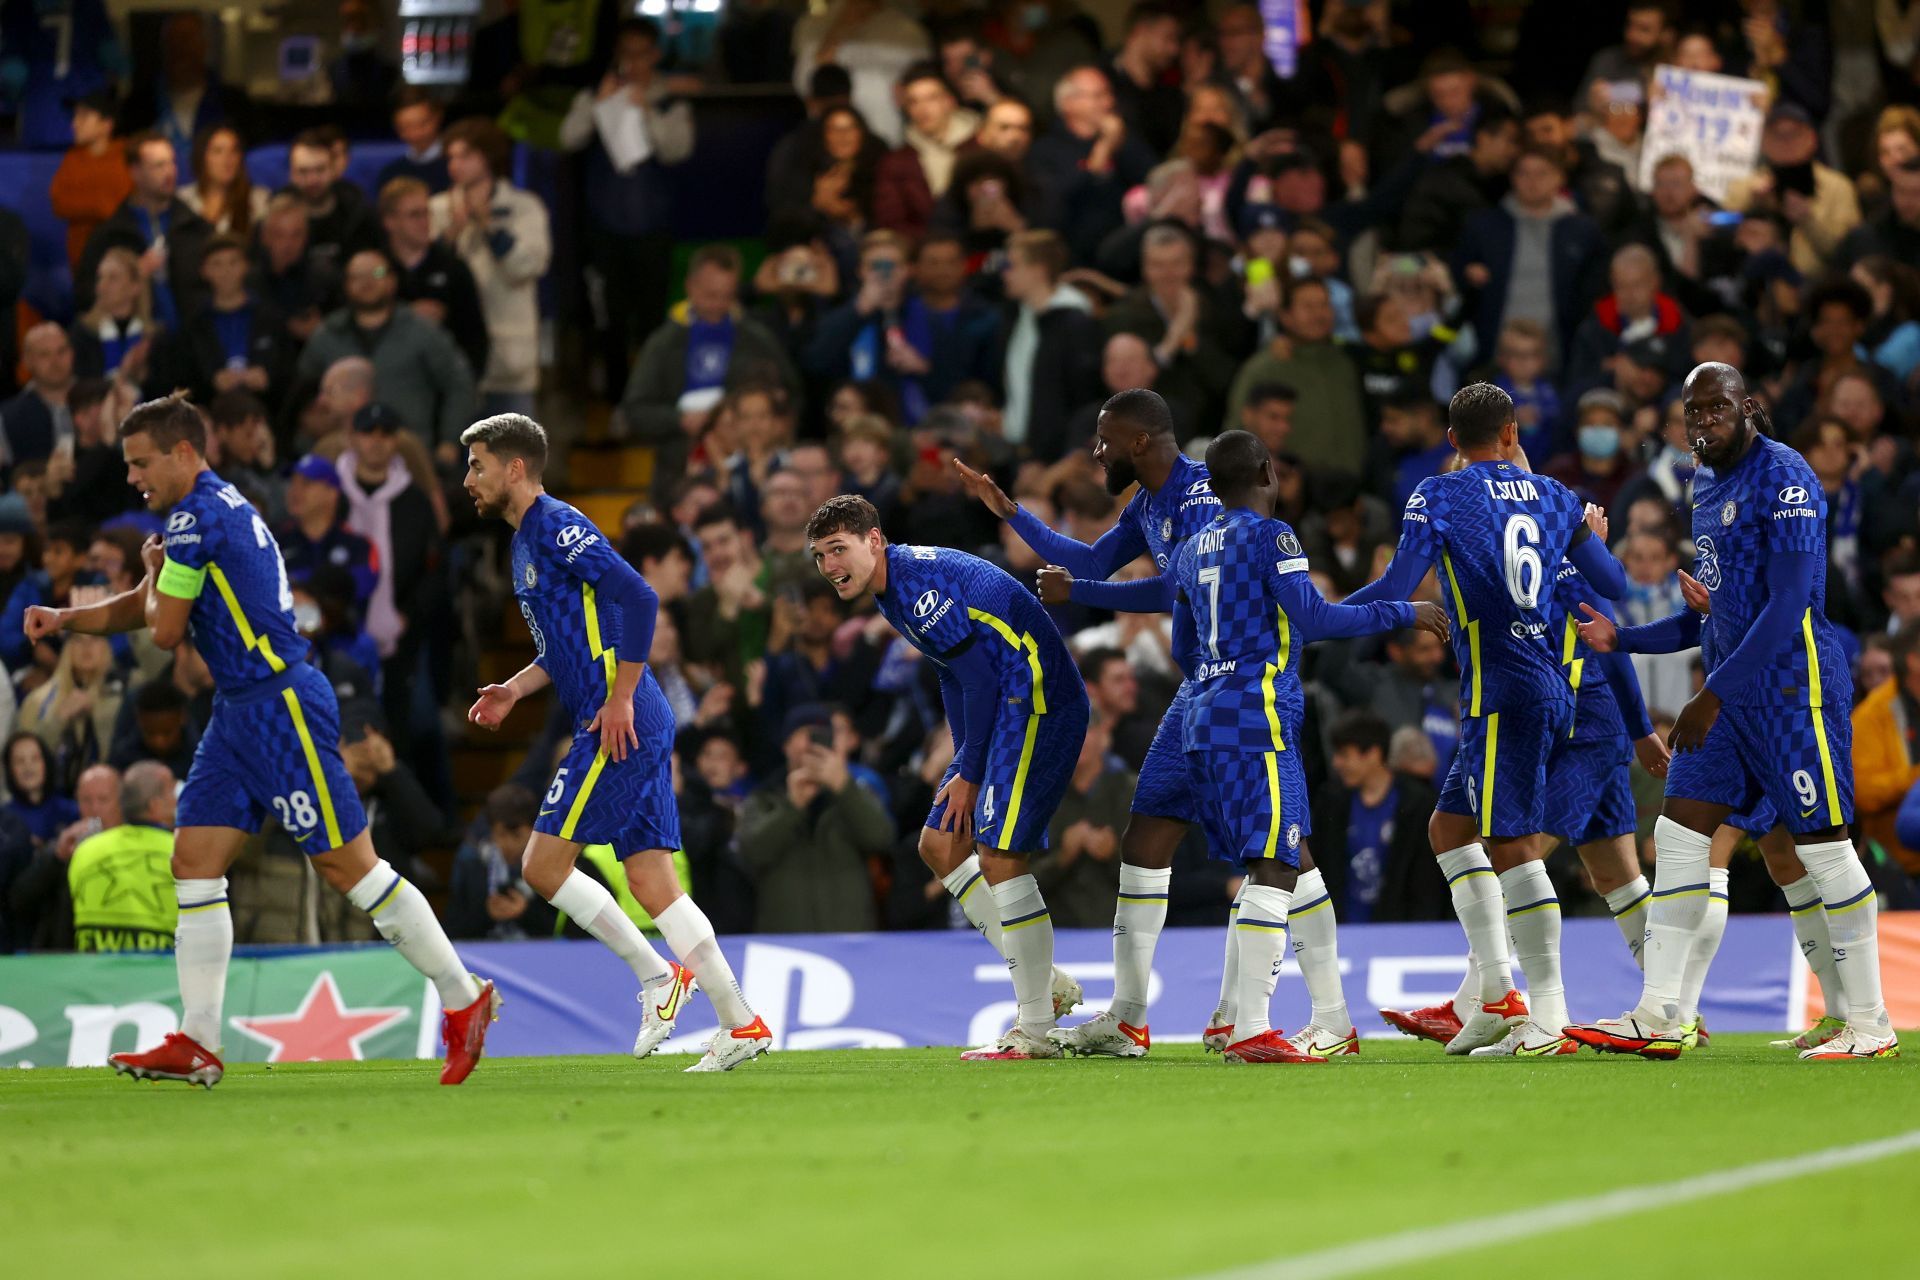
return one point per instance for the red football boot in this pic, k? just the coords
(464, 1032)
(1438, 1023)
(178, 1057)
(1268, 1046)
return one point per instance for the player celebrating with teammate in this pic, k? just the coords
(1772, 721)
(1246, 612)
(592, 619)
(1497, 533)
(1018, 714)
(1134, 443)
(271, 747)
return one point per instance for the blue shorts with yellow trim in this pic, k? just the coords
(1794, 760)
(1253, 805)
(1163, 790)
(629, 804)
(1500, 772)
(1030, 761)
(1590, 791)
(274, 752)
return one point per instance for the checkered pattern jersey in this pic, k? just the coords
(941, 599)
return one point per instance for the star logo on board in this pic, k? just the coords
(322, 1029)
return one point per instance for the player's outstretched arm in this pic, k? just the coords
(107, 615)
(1114, 548)
(1672, 634)
(1143, 595)
(1319, 620)
(1596, 564)
(1403, 577)
(495, 701)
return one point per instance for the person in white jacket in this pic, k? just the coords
(502, 234)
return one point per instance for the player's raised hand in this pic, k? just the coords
(41, 622)
(1054, 584)
(614, 723)
(1698, 598)
(1653, 755)
(1696, 720)
(1428, 616)
(1598, 632)
(153, 554)
(1597, 520)
(959, 796)
(492, 706)
(982, 487)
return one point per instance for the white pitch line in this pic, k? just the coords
(1423, 1244)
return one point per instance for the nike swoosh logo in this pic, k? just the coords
(545, 812)
(1806, 813)
(303, 839)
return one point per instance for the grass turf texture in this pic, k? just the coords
(911, 1161)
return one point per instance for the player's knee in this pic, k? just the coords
(1150, 842)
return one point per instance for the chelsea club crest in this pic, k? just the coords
(1166, 529)
(1728, 512)
(532, 575)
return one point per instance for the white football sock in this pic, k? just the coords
(1138, 916)
(401, 914)
(202, 946)
(969, 888)
(1477, 901)
(688, 931)
(1262, 927)
(1809, 917)
(1706, 944)
(1853, 920)
(1533, 917)
(1628, 904)
(1027, 932)
(1466, 998)
(1311, 926)
(587, 903)
(1674, 917)
(1230, 965)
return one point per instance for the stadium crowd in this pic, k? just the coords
(987, 221)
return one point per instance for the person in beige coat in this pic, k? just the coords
(501, 232)
(1789, 158)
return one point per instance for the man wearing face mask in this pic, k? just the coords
(1598, 467)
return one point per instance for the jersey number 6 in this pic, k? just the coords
(1520, 547)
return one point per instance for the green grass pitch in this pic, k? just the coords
(912, 1163)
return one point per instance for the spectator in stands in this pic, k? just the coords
(40, 902)
(220, 191)
(1149, 47)
(1412, 446)
(361, 74)
(417, 119)
(808, 837)
(1446, 193)
(916, 173)
(1329, 419)
(88, 484)
(162, 232)
(74, 711)
(390, 512)
(1196, 342)
(120, 880)
(791, 163)
(1893, 334)
(326, 616)
(488, 898)
(401, 816)
(632, 128)
(1267, 412)
(231, 342)
(1080, 870)
(1676, 229)
(1053, 347)
(1533, 256)
(183, 671)
(418, 370)
(63, 559)
(1818, 202)
(1895, 230)
(1647, 41)
(1599, 188)
(966, 61)
(1263, 98)
(662, 555)
(1599, 465)
(17, 534)
(1838, 314)
(1634, 310)
(92, 179)
(866, 449)
(1086, 162)
(37, 419)
(989, 199)
(316, 533)
(186, 97)
(1113, 690)
(874, 43)
(1369, 826)
(115, 337)
(685, 366)
(32, 796)
(1413, 688)
(1007, 129)
(1126, 363)
(728, 618)
(434, 280)
(918, 331)
(337, 227)
(1884, 755)
(161, 729)
(301, 289)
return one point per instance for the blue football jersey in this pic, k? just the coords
(1244, 587)
(1497, 533)
(1595, 712)
(558, 555)
(221, 556)
(1172, 513)
(942, 600)
(1770, 503)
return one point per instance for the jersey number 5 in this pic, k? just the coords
(1520, 549)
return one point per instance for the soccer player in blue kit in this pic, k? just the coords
(1498, 533)
(1245, 613)
(1133, 442)
(1772, 722)
(272, 745)
(1017, 711)
(592, 618)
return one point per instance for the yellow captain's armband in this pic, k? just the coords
(181, 582)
